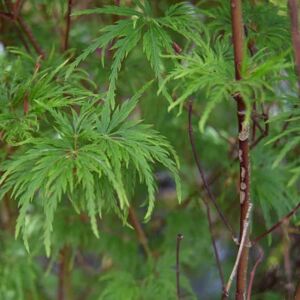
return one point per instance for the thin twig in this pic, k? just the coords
(142, 238)
(14, 15)
(252, 274)
(213, 240)
(10, 17)
(210, 180)
(264, 132)
(201, 172)
(68, 25)
(239, 254)
(30, 36)
(197, 160)
(276, 225)
(17, 7)
(178, 242)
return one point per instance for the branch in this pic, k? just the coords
(139, 231)
(217, 256)
(252, 274)
(239, 254)
(63, 290)
(276, 225)
(14, 15)
(210, 195)
(264, 132)
(6, 16)
(178, 241)
(244, 149)
(293, 11)
(68, 25)
(38, 49)
(201, 172)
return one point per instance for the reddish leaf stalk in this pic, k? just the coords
(176, 48)
(238, 45)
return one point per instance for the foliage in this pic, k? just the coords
(77, 150)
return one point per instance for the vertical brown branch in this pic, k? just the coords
(64, 284)
(238, 45)
(178, 241)
(297, 292)
(293, 10)
(68, 25)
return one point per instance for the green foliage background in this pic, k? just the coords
(82, 157)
